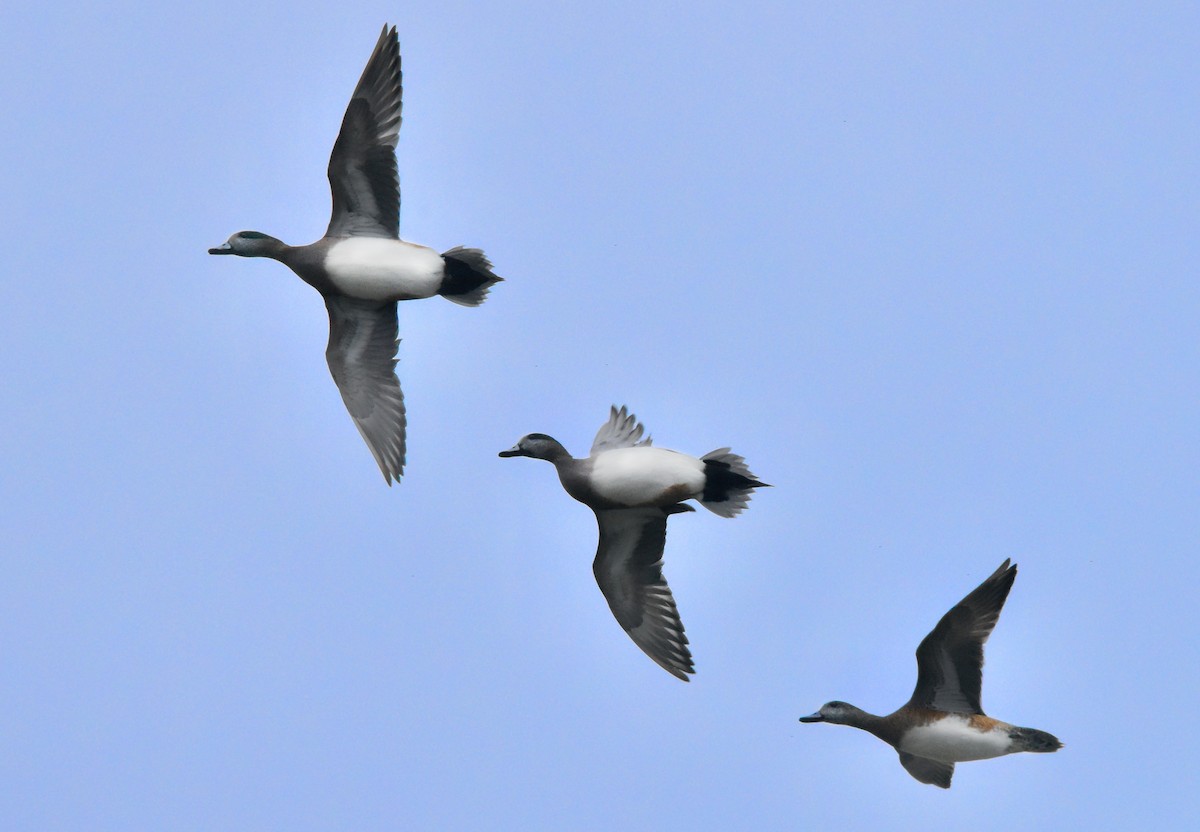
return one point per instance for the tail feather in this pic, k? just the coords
(728, 483)
(467, 277)
(1031, 739)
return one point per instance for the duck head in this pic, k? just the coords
(249, 244)
(538, 446)
(839, 713)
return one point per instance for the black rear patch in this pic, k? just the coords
(460, 278)
(720, 480)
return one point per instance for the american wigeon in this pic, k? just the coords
(944, 723)
(633, 488)
(362, 267)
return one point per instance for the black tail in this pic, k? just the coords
(728, 483)
(467, 276)
(1031, 739)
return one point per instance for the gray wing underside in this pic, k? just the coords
(622, 430)
(362, 360)
(933, 772)
(950, 658)
(362, 167)
(628, 568)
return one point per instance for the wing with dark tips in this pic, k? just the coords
(362, 167)
(933, 772)
(622, 430)
(362, 360)
(950, 658)
(628, 568)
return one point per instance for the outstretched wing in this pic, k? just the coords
(362, 360)
(950, 658)
(933, 772)
(628, 568)
(622, 430)
(362, 167)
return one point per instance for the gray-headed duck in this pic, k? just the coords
(944, 723)
(362, 267)
(633, 488)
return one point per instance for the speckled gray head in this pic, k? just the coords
(537, 446)
(247, 244)
(835, 712)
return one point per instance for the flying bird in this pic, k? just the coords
(633, 488)
(362, 268)
(943, 723)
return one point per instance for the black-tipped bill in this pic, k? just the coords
(515, 450)
(813, 718)
(224, 248)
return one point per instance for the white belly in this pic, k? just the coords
(646, 476)
(373, 268)
(953, 740)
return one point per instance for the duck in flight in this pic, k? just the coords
(361, 266)
(633, 488)
(944, 723)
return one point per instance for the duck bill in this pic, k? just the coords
(515, 450)
(224, 248)
(812, 718)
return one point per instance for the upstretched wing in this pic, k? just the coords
(933, 772)
(362, 167)
(950, 658)
(362, 360)
(628, 568)
(622, 430)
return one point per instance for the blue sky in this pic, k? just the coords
(932, 270)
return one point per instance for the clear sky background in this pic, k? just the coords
(932, 270)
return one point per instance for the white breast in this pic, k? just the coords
(642, 475)
(953, 740)
(373, 268)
